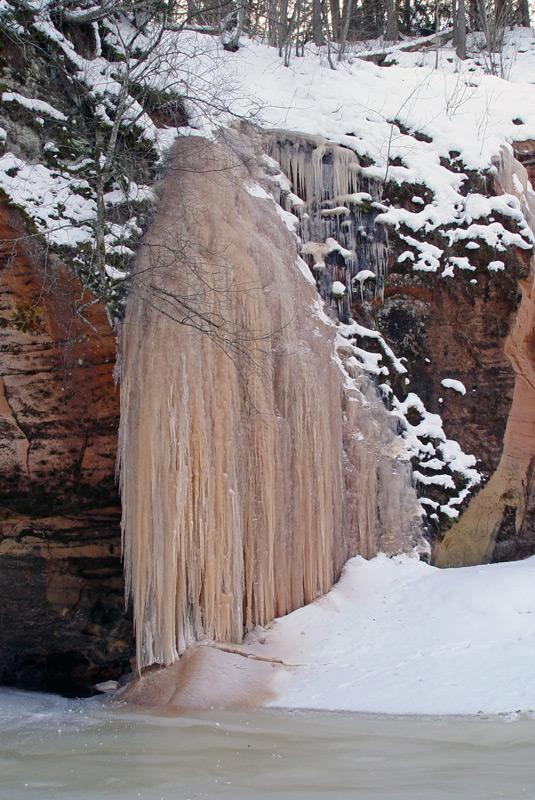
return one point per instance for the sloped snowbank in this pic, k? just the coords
(399, 636)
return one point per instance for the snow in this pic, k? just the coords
(359, 331)
(398, 636)
(39, 106)
(429, 255)
(335, 247)
(434, 480)
(369, 362)
(50, 198)
(115, 274)
(364, 275)
(461, 263)
(457, 386)
(255, 190)
(135, 194)
(359, 105)
(338, 289)
(427, 438)
(465, 113)
(290, 220)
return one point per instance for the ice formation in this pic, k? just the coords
(249, 476)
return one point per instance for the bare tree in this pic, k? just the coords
(336, 18)
(460, 29)
(317, 23)
(345, 28)
(523, 13)
(407, 16)
(493, 18)
(392, 27)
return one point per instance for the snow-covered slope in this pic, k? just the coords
(458, 105)
(398, 636)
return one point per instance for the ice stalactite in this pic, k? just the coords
(336, 205)
(252, 463)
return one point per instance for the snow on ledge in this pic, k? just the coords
(457, 386)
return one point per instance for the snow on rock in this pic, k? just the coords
(398, 636)
(358, 331)
(359, 107)
(457, 386)
(338, 289)
(53, 200)
(54, 181)
(364, 275)
(426, 438)
(429, 255)
(39, 106)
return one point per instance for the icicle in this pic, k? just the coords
(337, 202)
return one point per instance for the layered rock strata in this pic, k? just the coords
(62, 620)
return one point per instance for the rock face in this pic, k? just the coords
(448, 330)
(481, 334)
(499, 523)
(62, 620)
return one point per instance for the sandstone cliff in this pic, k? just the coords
(499, 523)
(62, 621)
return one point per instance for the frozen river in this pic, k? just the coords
(57, 749)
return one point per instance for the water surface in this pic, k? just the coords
(57, 749)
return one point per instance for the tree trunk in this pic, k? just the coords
(407, 17)
(370, 26)
(460, 28)
(503, 13)
(336, 19)
(283, 25)
(391, 27)
(523, 13)
(234, 40)
(502, 18)
(475, 22)
(273, 23)
(454, 22)
(345, 28)
(317, 31)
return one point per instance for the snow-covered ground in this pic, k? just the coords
(458, 105)
(398, 636)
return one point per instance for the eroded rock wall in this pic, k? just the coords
(62, 620)
(480, 332)
(444, 321)
(499, 523)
